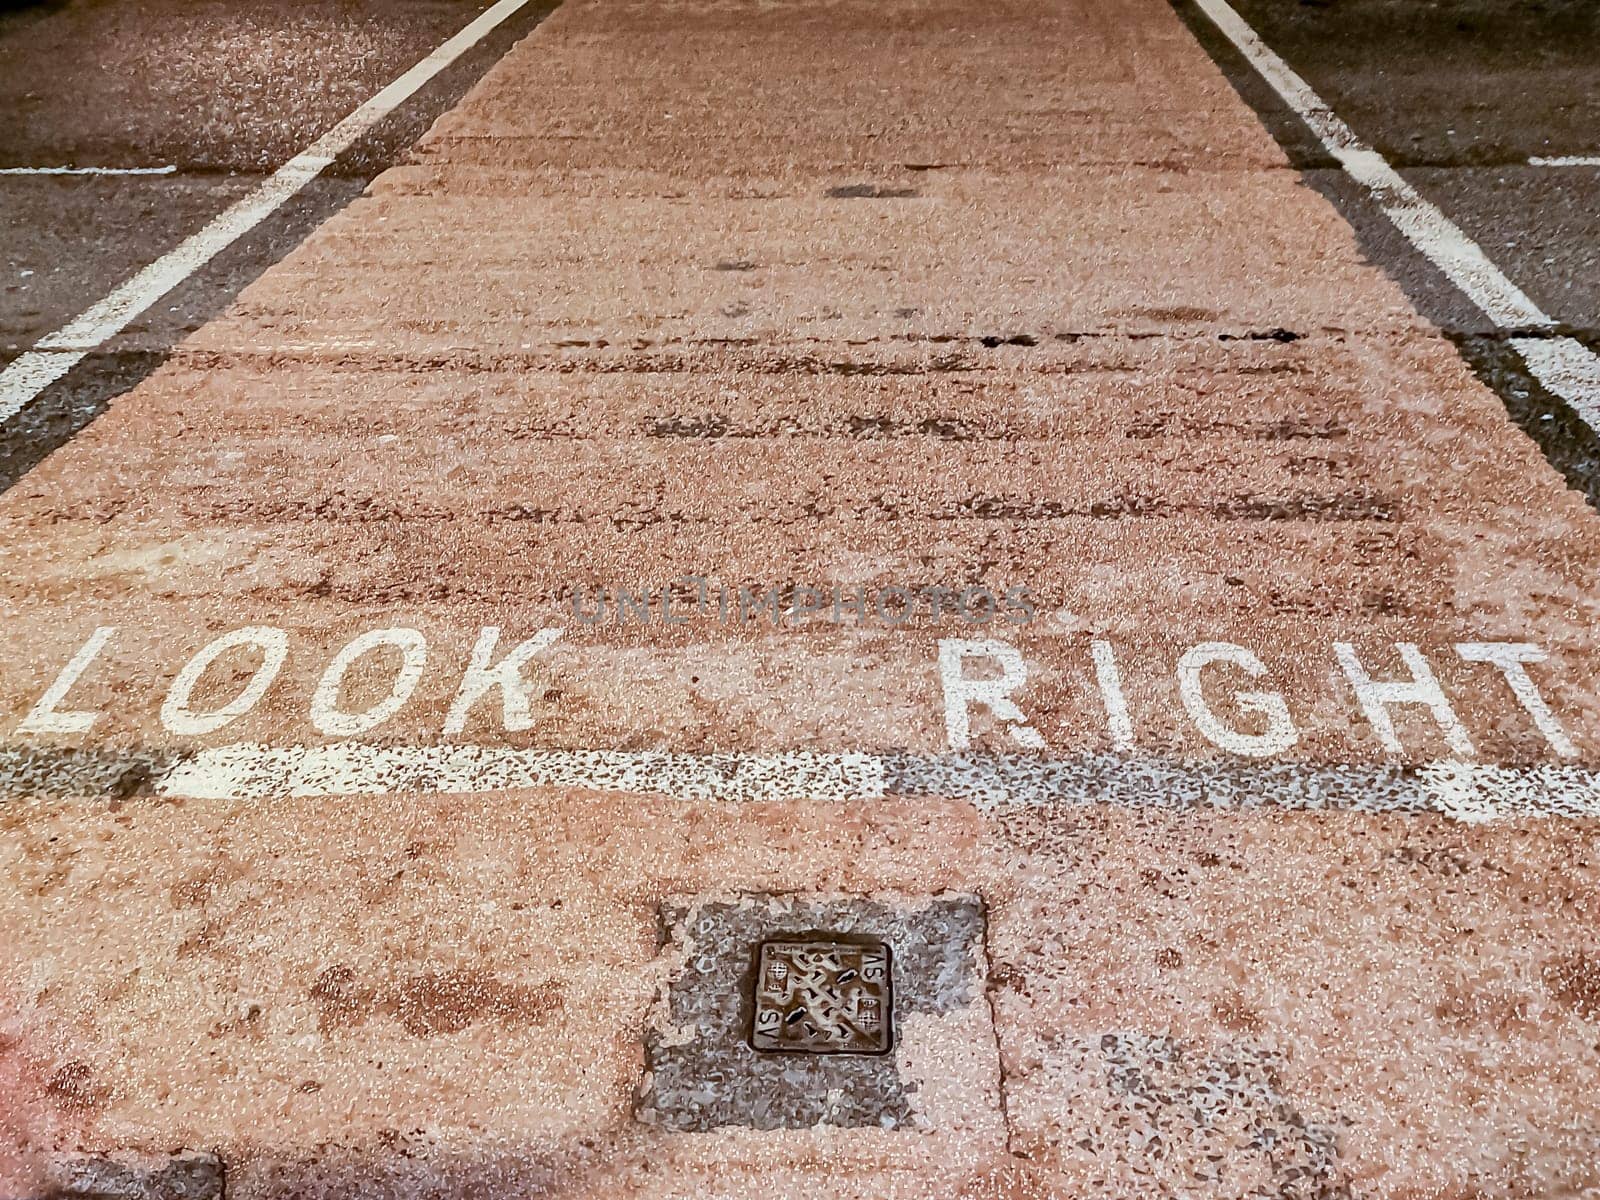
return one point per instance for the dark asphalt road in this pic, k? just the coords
(1458, 95)
(223, 92)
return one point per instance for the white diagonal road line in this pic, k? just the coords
(57, 353)
(1566, 367)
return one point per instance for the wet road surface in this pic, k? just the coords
(991, 505)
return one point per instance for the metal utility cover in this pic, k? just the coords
(704, 1068)
(823, 997)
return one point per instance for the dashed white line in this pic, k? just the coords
(166, 170)
(1564, 366)
(1565, 160)
(57, 353)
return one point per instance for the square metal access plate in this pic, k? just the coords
(702, 1070)
(823, 997)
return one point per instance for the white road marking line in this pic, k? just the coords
(994, 783)
(57, 353)
(1460, 790)
(166, 170)
(1570, 371)
(1465, 791)
(1565, 160)
(246, 771)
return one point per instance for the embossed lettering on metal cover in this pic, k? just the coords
(823, 997)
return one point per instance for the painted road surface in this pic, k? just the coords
(927, 465)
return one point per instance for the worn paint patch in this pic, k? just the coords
(431, 1003)
(137, 1177)
(1175, 1117)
